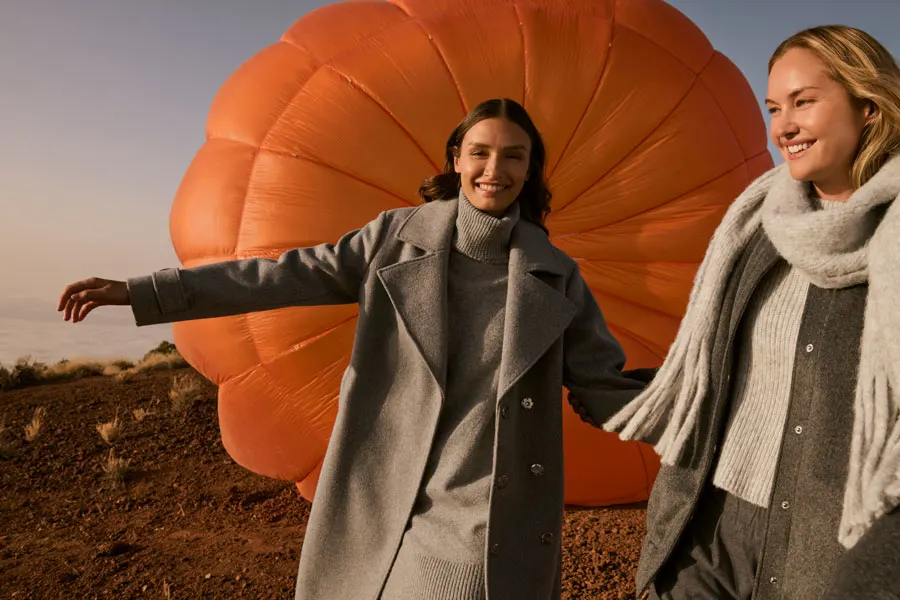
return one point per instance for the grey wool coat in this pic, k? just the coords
(801, 558)
(395, 268)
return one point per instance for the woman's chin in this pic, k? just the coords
(493, 204)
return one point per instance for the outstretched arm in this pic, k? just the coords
(323, 274)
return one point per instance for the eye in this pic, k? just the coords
(804, 101)
(773, 110)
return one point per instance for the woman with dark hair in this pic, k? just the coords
(444, 475)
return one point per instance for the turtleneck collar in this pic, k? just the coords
(481, 236)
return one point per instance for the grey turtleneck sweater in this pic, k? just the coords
(764, 368)
(442, 553)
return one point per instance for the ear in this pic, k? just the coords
(455, 151)
(871, 112)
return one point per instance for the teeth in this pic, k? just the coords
(798, 147)
(491, 188)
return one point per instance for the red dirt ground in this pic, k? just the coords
(188, 522)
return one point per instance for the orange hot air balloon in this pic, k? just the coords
(650, 134)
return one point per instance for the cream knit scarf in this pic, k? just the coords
(851, 244)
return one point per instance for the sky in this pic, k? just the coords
(103, 105)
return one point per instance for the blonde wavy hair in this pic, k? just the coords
(869, 73)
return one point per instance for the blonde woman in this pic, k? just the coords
(776, 410)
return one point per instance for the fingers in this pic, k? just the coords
(75, 288)
(74, 307)
(84, 309)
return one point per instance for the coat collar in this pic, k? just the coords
(430, 227)
(536, 313)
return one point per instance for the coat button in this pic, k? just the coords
(537, 469)
(504, 411)
(527, 403)
(785, 505)
(773, 580)
(809, 347)
(502, 480)
(495, 549)
(798, 429)
(546, 539)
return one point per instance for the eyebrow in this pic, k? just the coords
(482, 145)
(795, 93)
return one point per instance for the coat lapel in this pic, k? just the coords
(417, 287)
(536, 313)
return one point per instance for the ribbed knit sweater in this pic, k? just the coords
(763, 373)
(442, 553)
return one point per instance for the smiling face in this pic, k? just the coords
(815, 123)
(492, 162)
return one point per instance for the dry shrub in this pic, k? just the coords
(30, 372)
(140, 414)
(25, 372)
(160, 362)
(65, 370)
(116, 468)
(33, 429)
(164, 357)
(186, 390)
(111, 430)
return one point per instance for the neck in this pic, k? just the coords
(838, 189)
(482, 236)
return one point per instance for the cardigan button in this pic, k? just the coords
(785, 505)
(773, 579)
(537, 469)
(527, 403)
(546, 538)
(798, 429)
(809, 347)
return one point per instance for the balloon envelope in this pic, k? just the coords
(650, 134)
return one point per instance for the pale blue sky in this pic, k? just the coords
(103, 105)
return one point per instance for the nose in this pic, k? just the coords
(783, 126)
(492, 165)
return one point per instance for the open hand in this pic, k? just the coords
(82, 297)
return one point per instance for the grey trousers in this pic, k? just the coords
(718, 554)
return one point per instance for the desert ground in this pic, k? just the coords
(114, 484)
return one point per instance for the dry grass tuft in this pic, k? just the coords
(111, 430)
(140, 414)
(186, 390)
(33, 429)
(124, 376)
(116, 468)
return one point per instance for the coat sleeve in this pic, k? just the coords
(871, 568)
(323, 274)
(593, 361)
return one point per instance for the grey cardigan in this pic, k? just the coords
(391, 394)
(802, 559)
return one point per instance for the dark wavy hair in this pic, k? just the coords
(534, 199)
